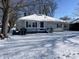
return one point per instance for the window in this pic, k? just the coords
(41, 24)
(26, 24)
(34, 24)
(59, 25)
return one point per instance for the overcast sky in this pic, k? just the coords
(66, 8)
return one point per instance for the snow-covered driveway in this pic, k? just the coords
(57, 45)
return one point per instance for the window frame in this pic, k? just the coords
(41, 24)
(27, 25)
(34, 24)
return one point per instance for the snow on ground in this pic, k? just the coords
(57, 45)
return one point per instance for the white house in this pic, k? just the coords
(39, 23)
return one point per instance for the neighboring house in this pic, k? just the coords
(75, 25)
(40, 23)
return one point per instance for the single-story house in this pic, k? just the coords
(40, 23)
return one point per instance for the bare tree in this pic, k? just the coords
(76, 11)
(46, 7)
(5, 9)
(8, 9)
(65, 18)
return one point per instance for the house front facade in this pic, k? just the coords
(40, 23)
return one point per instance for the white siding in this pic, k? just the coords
(47, 24)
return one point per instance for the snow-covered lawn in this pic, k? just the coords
(57, 45)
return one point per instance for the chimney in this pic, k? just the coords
(24, 13)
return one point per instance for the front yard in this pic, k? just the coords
(56, 45)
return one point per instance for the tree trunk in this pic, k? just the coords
(5, 4)
(5, 23)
